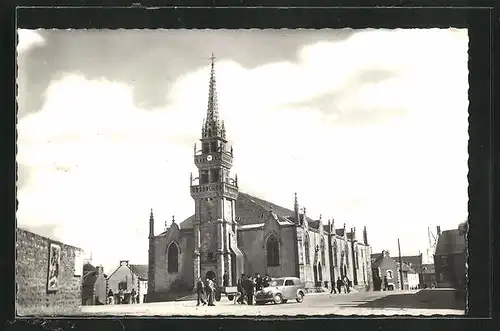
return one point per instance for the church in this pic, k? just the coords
(234, 232)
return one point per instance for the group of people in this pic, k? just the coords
(248, 286)
(207, 288)
(341, 285)
(120, 297)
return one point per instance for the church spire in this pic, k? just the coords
(213, 107)
(211, 125)
(151, 224)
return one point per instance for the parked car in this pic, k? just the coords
(280, 290)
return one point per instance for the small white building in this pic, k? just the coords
(127, 277)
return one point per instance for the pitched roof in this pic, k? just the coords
(340, 232)
(450, 242)
(251, 210)
(414, 261)
(141, 270)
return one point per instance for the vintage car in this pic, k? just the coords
(280, 290)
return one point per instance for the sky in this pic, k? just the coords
(369, 127)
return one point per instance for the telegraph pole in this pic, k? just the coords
(400, 267)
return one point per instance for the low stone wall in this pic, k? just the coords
(32, 264)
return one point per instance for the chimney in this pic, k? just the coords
(123, 262)
(365, 236)
(438, 229)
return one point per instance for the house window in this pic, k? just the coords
(272, 249)
(323, 259)
(173, 258)
(122, 286)
(389, 274)
(444, 261)
(306, 249)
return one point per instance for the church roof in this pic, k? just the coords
(339, 232)
(251, 210)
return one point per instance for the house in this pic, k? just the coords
(48, 276)
(385, 272)
(410, 277)
(128, 277)
(450, 258)
(415, 263)
(94, 285)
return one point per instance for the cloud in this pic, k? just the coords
(28, 39)
(351, 122)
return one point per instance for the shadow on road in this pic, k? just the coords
(425, 299)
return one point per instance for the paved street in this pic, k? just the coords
(427, 302)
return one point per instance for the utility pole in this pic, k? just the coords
(400, 267)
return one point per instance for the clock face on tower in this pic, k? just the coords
(209, 158)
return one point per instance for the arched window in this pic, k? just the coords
(173, 258)
(335, 254)
(323, 258)
(273, 253)
(389, 274)
(306, 249)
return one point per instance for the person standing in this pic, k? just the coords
(200, 292)
(210, 290)
(110, 297)
(258, 282)
(241, 289)
(266, 281)
(250, 290)
(347, 285)
(225, 279)
(132, 295)
(339, 285)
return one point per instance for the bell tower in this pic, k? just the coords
(214, 193)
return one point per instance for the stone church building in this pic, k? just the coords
(231, 231)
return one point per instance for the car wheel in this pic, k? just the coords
(278, 299)
(285, 300)
(300, 297)
(230, 297)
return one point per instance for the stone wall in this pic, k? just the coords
(164, 281)
(32, 263)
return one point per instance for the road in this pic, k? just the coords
(364, 303)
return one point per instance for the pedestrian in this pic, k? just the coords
(258, 282)
(339, 285)
(333, 291)
(225, 279)
(110, 297)
(250, 286)
(266, 281)
(210, 290)
(346, 284)
(132, 295)
(200, 292)
(121, 297)
(241, 289)
(386, 284)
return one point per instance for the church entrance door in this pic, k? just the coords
(210, 275)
